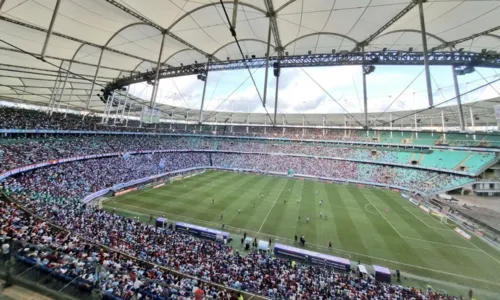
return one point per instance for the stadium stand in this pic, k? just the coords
(18, 118)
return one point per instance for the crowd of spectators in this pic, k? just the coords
(54, 193)
(73, 254)
(18, 118)
(16, 153)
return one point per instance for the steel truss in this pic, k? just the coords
(321, 60)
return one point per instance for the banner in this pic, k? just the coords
(462, 233)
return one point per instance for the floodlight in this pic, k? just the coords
(286, 53)
(309, 52)
(410, 49)
(385, 49)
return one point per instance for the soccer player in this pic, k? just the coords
(316, 192)
(307, 220)
(254, 205)
(239, 211)
(330, 245)
(299, 218)
(285, 202)
(213, 201)
(320, 202)
(326, 217)
(320, 214)
(221, 216)
(261, 196)
(297, 200)
(288, 189)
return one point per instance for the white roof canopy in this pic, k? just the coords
(129, 33)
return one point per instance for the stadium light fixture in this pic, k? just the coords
(410, 49)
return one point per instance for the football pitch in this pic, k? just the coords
(370, 225)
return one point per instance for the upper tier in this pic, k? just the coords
(15, 118)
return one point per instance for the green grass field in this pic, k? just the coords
(371, 225)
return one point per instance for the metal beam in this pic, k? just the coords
(426, 53)
(317, 60)
(271, 13)
(468, 38)
(51, 26)
(3, 18)
(138, 16)
(401, 14)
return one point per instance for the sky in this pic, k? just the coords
(323, 89)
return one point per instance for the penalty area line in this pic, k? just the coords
(276, 200)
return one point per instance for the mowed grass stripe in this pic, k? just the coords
(171, 190)
(196, 205)
(344, 224)
(227, 201)
(233, 199)
(255, 208)
(288, 225)
(367, 222)
(399, 249)
(241, 190)
(182, 201)
(456, 259)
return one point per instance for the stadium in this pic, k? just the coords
(274, 149)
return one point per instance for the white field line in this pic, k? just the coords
(371, 212)
(148, 190)
(383, 216)
(439, 243)
(318, 246)
(265, 219)
(447, 229)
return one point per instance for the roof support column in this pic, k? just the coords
(443, 125)
(64, 85)
(426, 53)
(105, 110)
(365, 92)
(204, 90)
(345, 125)
(267, 62)
(67, 103)
(95, 78)
(415, 119)
(459, 99)
(390, 122)
(472, 118)
(1, 3)
(277, 74)
(323, 125)
(55, 84)
(157, 75)
(117, 109)
(51, 26)
(128, 115)
(303, 124)
(124, 105)
(265, 123)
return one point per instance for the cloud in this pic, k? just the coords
(302, 91)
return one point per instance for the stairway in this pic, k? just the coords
(457, 167)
